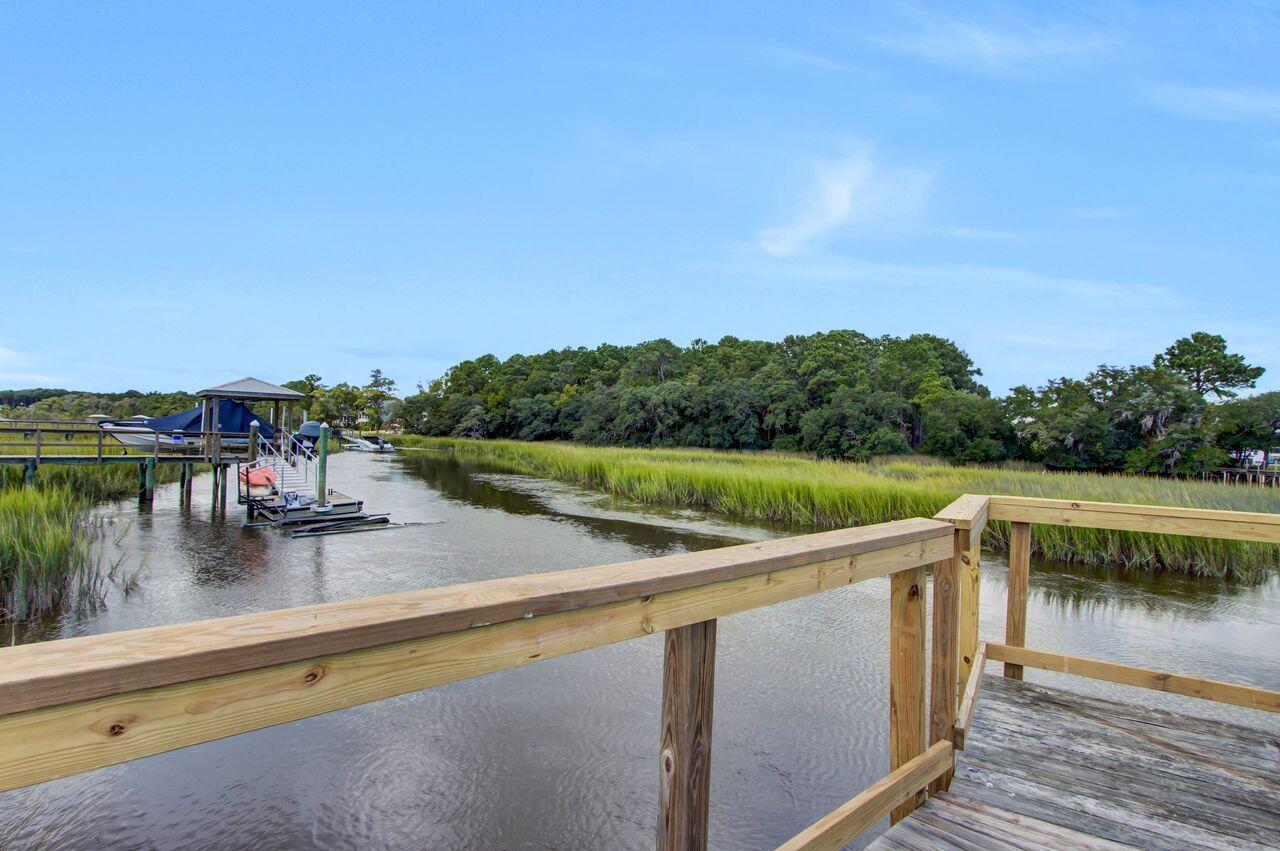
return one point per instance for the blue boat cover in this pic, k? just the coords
(233, 416)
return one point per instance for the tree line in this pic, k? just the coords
(843, 394)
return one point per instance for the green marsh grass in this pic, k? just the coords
(831, 494)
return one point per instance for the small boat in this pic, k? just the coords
(367, 443)
(141, 437)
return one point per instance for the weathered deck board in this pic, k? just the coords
(1046, 768)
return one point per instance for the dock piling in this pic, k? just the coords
(322, 464)
(29, 477)
(149, 480)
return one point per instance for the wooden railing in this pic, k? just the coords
(971, 513)
(78, 704)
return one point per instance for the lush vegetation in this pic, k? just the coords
(845, 395)
(827, 494)
(79, 404)
(48, 552)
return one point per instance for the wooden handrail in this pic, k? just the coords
(1131, 675)
(82, 703)
(836, 829)
(1155, 519)
(970, 511)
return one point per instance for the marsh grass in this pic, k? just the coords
(830, 494)
(49, 552)
(53, 550)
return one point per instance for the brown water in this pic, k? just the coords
(561, 754)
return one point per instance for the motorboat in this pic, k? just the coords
(367, 443)
(183, 431)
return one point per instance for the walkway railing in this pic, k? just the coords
(79, 704)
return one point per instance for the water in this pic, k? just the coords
(563, 753)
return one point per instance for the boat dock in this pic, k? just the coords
(978, 758)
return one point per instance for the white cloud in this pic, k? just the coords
(849, 192)
(805, 58)
(956, 43)
(1218, 104)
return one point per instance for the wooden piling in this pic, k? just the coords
(906, 676)
(189, 472)
(222, 487)
(688, 680)
(322, 466)
(1015, 625)
(29, 476)
(149, 480)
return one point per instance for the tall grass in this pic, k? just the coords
(829, 494)
(50, 547)
(48, 552)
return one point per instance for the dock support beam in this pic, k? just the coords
(29, 477)
(688, 680)
(149, 480)
(1015, 623)
(222, 487)
(188, 472)
(322, 467)
(906, 676)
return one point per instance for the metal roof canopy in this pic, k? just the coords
(251, 389)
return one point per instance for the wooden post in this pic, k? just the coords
(39, 435)
(222, 487)
(1015, 624)
(149, 488)
(99, 445)
(944, 666)
(322, 467)
(252, 452)
(688, 680)
(906, 676)
(142, 481)
(29, 478)
(190, 471)
(215, 487)
(968, 551)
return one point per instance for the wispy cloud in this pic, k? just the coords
(17, 249)
(951, 276)
(1218, 104)
(846, 193)
(979, 233)
(966, 44)
(805, 58)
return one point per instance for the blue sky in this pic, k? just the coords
(189, 195)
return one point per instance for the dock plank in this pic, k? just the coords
(1048, 768)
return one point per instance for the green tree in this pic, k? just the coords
(1203, 360)
(375, 395)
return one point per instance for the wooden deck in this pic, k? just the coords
(1047, 768)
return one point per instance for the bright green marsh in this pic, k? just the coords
(829, 494)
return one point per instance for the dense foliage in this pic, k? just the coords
(842, 394)
(79, 404)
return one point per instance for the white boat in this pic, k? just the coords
(367, 443)
(141, 437)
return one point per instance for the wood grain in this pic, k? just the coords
(688, 692)
(968, 551)
(51, 742)
(1158, 519)
(906, 675)
(969, 700)
(944, 662)
(1015, 624)
(1130, 675)
(836, 829)
(970, 511)
(57, 672)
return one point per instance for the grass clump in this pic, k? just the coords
(832, 494)
(48, 552)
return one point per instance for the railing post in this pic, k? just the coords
(906, 675)
(968, 552)
(944, 666)
(1015, 624)
(688, 680)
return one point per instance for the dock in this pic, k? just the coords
(1051, 768)
(977, 759)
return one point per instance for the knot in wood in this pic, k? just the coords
(914, 592)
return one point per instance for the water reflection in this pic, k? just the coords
(558, 754)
